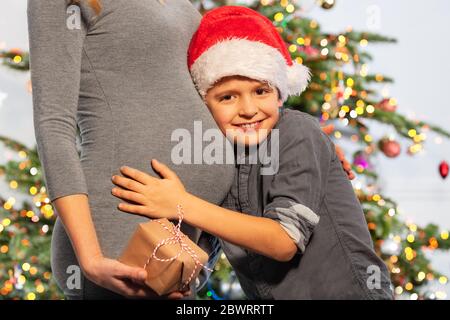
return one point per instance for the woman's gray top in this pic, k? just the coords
(122, 78)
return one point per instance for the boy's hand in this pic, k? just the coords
(329, 129)
(153, 197)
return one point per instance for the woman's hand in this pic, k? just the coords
(153, 197)
(124, 280)
(340, 153)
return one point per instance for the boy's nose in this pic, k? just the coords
(248, 108)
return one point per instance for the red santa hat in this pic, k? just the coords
(234, 40)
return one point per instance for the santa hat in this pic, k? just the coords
(234, 40)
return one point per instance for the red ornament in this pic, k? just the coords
(443, 169)
(390, 148)
(386, 105)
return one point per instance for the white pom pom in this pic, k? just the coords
(298, 78)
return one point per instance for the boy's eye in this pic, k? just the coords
(226, 97)
(261, 91)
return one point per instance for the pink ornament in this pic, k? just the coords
(309, 51)
(361, 159)
(386, 105)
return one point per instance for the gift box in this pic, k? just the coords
(171, 259)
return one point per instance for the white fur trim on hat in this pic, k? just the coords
(298, 78)
(252, 59)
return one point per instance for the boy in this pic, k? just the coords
(298, 233)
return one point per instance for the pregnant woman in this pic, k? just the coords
(116, 70)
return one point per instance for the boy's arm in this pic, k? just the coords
(296, 192)
(159, 198)
(261, 235)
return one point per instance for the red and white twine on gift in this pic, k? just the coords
(177, 238)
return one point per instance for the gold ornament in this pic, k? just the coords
(327, 4)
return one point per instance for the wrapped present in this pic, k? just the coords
(171, 259)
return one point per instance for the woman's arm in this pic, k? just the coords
(55, 60)
(159, 198)
(75, 215)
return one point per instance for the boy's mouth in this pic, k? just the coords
(249, 126)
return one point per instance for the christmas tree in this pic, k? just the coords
(341, 92)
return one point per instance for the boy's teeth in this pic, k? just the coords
(249, 125)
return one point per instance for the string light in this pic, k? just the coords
(364, 70)
(313, 24)
(40, 288)
(350, 82)
(326, 106)
(421, 276)
(443, 279)
(33, 190)
(370, 108)
(278, 17)
(31, 296)
(409, 286)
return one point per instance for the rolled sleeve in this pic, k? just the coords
(296, 191)
(296, 219)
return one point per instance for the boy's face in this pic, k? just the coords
(244, 109)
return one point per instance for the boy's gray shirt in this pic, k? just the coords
(313, 200)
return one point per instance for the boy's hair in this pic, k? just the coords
(265, 81)
(235, 40)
